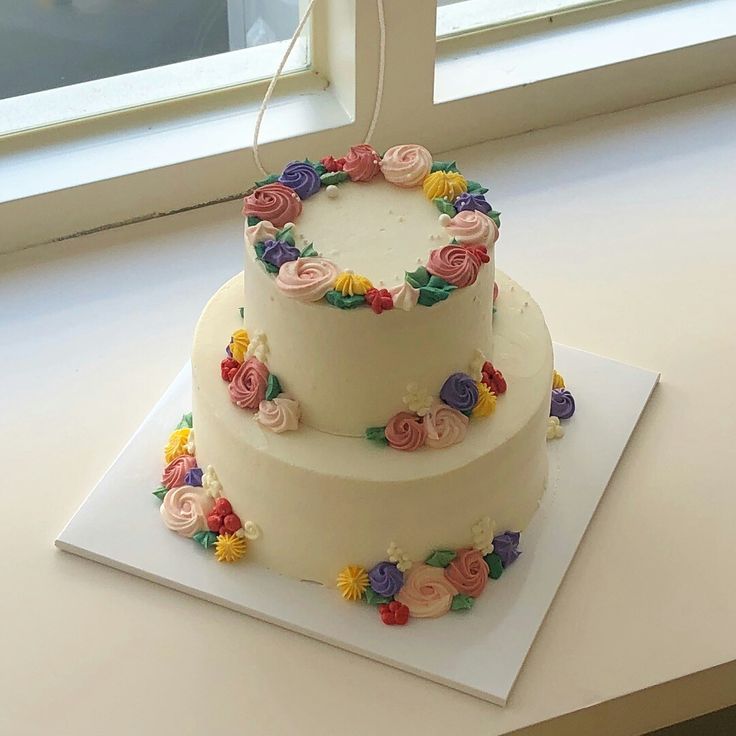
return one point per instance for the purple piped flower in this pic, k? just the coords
(193, 477)
(562, 404)
(278, 252)
(468, 201)
(386, 579)
(506, 546)
(460, 392)
(302, 178)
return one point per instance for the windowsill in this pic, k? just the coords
(464, 72)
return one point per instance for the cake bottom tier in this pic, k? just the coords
(324, 501)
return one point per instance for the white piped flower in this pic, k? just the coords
(417, 399)
(190, 447)
(476, 365)
(483, 532)
(554, 429)
(397, 555)
(210, 482)
(258, 347)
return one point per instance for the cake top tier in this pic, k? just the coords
(374, 231)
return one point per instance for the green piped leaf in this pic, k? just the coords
(445, 207)
(270, 179)
(376, 434)
(461, 602)
(441, 557)
(253, 220)
(373, 599)
(496, 217)
(160, 492)
(285, 235)
(308, 251)
(260, 249)
(475, 188)
(344, 302)
(317, 166)
(444, 166)
(241, 311)
(436, 290)
(185, 421)
(333, 177)
(435, 282)
(418, 278)
(206, 539)
(273, 387)
(495, 566)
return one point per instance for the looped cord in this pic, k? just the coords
(282, 63)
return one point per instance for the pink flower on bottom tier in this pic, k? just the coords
(455, 264)
(184, 510)
(176, 471)
(468, 572)
(362, 163)
(445, 426)
(307, 279)
(426, 592)
(248, 387)
(279, 415)
(405, 431)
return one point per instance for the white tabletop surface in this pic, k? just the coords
(622, 227)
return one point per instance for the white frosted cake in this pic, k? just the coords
(371, 398)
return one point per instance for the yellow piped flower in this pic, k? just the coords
(352, 581)
(230, 548)
(557, 380)
(486, 404)
(352, 284)
(239, 343)
(445, 184)
(177, 444)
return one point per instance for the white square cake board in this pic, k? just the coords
(479, 652)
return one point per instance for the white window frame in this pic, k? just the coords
(60, 181)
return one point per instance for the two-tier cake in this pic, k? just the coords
(371, 398)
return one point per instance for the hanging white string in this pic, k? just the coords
(282, 63)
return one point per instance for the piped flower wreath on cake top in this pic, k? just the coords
(562, 407)
(441, 421)
(254, 387)
(447, 580)
(275, 203)
(192, 503)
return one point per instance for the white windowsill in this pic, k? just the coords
(576, 48)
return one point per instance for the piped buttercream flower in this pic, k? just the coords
(483, 532)
(475, 369)
(228, 368)
(460, 392)
(302, 178)
(260, 232)
(554, 429)
(258, 347)
(276, 203)
(506, 546)
(210, 482)
(405, 431)
(405, 296)
(362, 163)
(177, 444)
(445, 426)
(230, 547)
(176, 471)
(471, 226)
(307, 279)
(486, 404)
(352, 284)
(468, 572)
(279, 415)
(248, 387)
(397, 555)
(184, 510)
(332, 164)
(385, 578)
(406, 165)
(562, 403)
(426, 592)
(417, 399)
(557, 380)
(278, 252)
(468, 201)
(493, 378)
(444, 185)
(191, 446)
(454, 264)
(239, 342)
(352, 582)
(379, 300)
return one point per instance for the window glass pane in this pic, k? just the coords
(46, 44)
(460, 16)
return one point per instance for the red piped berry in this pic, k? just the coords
(228, 368)
(231, 523)
(223, 507)
(479, 253)
(213, 523)
(379, 300)
(493, 379)
(333, 164)
(394, 613)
